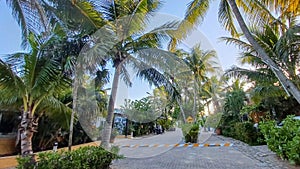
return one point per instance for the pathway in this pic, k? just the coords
(239, 156)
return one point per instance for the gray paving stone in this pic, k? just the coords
(240, 156)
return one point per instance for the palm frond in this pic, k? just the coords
(125, 75)
(258, 12)
(161, 60)
(238, 43)
(77, 15)
(196, 11)
(154, 77)
(18, 13)
(259, 75)
(31, 17)
(56, 110)
(226, 18)
(10, 83)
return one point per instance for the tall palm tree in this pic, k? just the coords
(228, 12)
(126, 44)
(32, 81)
(79, 20)
(200, 63)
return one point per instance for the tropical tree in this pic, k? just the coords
(233, 103)
(235, 98)
(126, 43)
(212, 91)
(229, 12)
(78, 20)
(282, 47)
(33, 82)
(200, 63)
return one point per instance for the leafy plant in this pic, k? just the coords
(90, 157)
(190, 132)
(285, 140)
(245, 132)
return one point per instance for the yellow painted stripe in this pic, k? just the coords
(227, 144)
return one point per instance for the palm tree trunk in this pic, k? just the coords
(26, 129)
(75, 90)
(195, 95)
(181, 110)
(111, 106)
(289, 86)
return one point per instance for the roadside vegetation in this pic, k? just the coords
(46, 92)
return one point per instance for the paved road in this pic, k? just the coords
(192, 158)
(171, 137)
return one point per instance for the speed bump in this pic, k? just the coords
(186, 145)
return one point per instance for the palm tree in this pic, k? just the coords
(32, 81)
(127, 44)
(78, 20)
(283, 49)
(200, 63)
(213, 92)
(228, 11)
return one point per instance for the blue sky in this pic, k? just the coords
(210, 28)
(10, 31)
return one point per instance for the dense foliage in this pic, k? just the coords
(90, 157)
(285, 140)
(190, 132)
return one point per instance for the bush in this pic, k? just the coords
(228, 129)
(285, 140)
(90, 157)
(190, 132)
(245, 132)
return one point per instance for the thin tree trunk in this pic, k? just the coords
(195, 97)
(181, 110)
(111, 106)
(289, 86)
(75, 92)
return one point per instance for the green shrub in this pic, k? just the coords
(190, 132)
(90, 157)
(228, 129)
(285, 140)
(245, 132)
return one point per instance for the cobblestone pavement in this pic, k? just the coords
(239, 156)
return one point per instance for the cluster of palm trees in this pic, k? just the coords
(69, 39)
